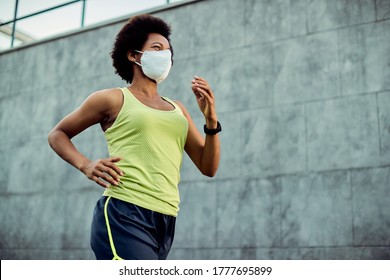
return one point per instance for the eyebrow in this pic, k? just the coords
(160, 44)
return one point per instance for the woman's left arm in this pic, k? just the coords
(205, 153)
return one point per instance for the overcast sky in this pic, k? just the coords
(69, 17)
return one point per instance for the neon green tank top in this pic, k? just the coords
(150, 143)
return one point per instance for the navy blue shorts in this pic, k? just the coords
(121, 230)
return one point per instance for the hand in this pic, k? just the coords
(205, 98)
(103, 171)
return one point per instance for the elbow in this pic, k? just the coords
(210, 169)
(209, 173)
(50, 138)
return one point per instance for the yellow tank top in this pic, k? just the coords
(150, 143)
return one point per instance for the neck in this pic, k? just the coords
(144, 87)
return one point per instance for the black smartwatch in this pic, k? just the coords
(214, 130)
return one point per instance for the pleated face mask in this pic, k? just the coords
(156, 64)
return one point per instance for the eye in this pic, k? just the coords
(156, 47)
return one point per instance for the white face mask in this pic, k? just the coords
(156, 64)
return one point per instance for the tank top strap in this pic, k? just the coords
(128, 97)
(173, 103)
(169, 100)
(131, 100)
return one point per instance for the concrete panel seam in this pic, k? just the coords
(379, 128)
(273, 177)
(282, 247)
(306, 150)
(376, 9)
(346, 27)
(352, 208)
(336, 29)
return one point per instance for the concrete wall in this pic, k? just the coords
(303, 94)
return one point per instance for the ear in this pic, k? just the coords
(131, 56)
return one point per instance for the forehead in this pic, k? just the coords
(157, 38)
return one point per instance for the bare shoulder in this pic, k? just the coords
(104, 99)
(105, 95)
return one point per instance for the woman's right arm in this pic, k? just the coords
(95, 109)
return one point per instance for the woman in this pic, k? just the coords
(146, 135)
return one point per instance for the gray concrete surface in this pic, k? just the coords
(303, 95)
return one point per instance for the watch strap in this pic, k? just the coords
(212, 131)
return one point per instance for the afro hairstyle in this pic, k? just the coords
(133, 36)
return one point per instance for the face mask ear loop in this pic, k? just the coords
(136, 61)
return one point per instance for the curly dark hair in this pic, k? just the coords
(132, 37)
